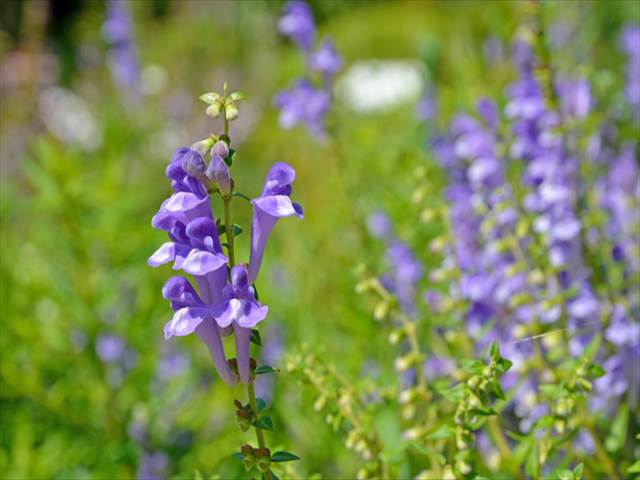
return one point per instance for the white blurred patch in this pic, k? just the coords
(153, 79)
(376, 85)
(67, 117)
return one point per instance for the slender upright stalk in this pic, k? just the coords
(228, 232)
(251, 394)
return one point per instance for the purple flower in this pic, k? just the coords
(192, 314)
(297, 23)
(303, 104)
(153, 466)
(379, 225)
(272, 204)
(122, 59)
(110, 348)
(630, 43)
(194, 248)
(242, 311)
(326, 59)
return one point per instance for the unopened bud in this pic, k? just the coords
(218, 172)
(231, 112)
(381, 310)
(263, 459)
(193, 164)
(213, 110)
(220, 148)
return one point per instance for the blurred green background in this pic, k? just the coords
(83, 172)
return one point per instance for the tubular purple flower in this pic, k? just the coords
(240, 309)
(218, 172)
(272, 204)
(192, 314)
(193, 164)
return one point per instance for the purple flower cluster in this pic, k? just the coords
(304, 103)
(122, 58)
(630, 43)
(492, 237)
(405, 270)
(225, 302)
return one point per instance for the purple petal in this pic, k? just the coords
(209, 333)
(185, 321)
(165, 254)
(201, 262)
(243, 338)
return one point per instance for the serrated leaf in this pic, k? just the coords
(265, 369)
(209, 97)
(260, 403)
(255, 336)
(282, 456)
(237, 456)
(264, 423)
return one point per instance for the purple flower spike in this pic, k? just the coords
(297, 24)
(243, 311)
(272, 204)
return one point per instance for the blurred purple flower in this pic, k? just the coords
(153, 466)
(122, 58)
(325, 59)
(110, 348)
(303, 103)
(297, 23)
(379, 225)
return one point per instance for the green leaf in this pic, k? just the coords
(441, 433)
(260, 403)
(255, 336)
(281, 456)
(531, 463)
(229, 158)
(274, 476)
(266, 369)
(495, 350)
(577, 472)
(235, 96)
(591, 349)
(238, 456)
(595, 370)
(472, 365)
(635, 468)
(264, 423)
(618, 431)
(564, 474)
(209, 97)
(503, 365)
(236, 230)
(197, 475)
(497, 389)
(221, 229)
(241, 195)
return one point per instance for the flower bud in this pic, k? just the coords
(193, 164)
(231, 111)
(244, 419)
(263, 459)
(220, 148)
(218, 172)
(213, 110)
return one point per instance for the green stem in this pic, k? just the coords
(601, 454)
(228, 232)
